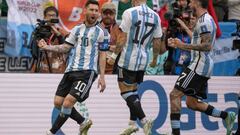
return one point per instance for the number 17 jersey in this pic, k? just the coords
(141, 24)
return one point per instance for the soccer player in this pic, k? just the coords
(193, 81)
(87, 43)
(141, 27)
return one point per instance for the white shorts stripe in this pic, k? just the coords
(188, 79)
(88, 85)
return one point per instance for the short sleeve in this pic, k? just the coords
(104, 39)
(206, 27)
(126, 21)
(158, 31)
(71, 39)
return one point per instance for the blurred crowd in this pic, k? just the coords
(176, 21)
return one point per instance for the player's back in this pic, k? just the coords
(202, 62)
(141, 24)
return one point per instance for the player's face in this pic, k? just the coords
(193, 5)
(108, 17)
(92, 13)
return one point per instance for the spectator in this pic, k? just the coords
(158, 69)
(234, 10)
(181, 58)
(109, 23)
(3, 8)
(50, 62)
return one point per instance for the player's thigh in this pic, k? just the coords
(176, 94)
(64, 86)
(128, 80)
(58, 101)
(82, 83)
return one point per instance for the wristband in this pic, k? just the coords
(114, 56)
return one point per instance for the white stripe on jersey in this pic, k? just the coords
(202, 62)
(86, 40)
(141, 24)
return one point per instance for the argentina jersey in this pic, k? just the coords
(202, 61)
(86, 42)
(141, 24)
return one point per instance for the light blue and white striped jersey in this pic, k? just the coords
(201, 61)
(141, 24)
(86, 42)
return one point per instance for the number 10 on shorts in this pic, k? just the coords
(80, 86)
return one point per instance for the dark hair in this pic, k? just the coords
(204, 3)
(94, 2)
(48, 9)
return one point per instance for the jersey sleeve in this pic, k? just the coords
(126, 21)
(158, 31)
(104, 39)
(206, 26)
(72, 37)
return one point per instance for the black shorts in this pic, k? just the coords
(192, 84)
(77, 84)
(130, 77)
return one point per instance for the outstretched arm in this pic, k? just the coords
(63, 48)
(205, 44)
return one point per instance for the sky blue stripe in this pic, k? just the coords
(73, 56)
(93, 51)
(126, 95)
(207, 57)
(83, 49)
(149, 44)
(139, 58)
(175, 124)
(130, 40)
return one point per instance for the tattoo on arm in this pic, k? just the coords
(121, 40)
(204, 46)
(156, 47)
(63, 48)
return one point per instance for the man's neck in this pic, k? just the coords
(90, 25)
(200, 12)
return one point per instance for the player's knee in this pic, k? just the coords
(69, 101)
(58, 104)
(130, 98)
(191, 104)
(173, 95)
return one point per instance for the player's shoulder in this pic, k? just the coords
(102, 29)
(132, 9)
(205, 18)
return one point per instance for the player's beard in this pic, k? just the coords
(91, 19)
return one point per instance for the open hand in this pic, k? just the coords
(101, 84)
(42, 43)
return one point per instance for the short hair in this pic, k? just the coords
(204, 3)
(48, 9)
(94, 2)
